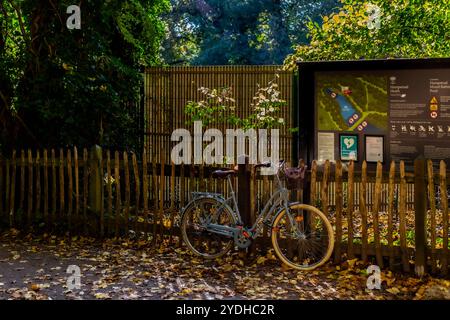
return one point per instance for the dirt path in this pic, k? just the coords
(37, 269)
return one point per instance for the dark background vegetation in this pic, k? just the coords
(61, 87)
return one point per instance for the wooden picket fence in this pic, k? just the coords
(116, 193)
(389, 236)
(105, 194)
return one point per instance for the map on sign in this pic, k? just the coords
(353, 102)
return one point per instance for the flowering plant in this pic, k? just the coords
(213, 108)
(218, 107)
(266, 107)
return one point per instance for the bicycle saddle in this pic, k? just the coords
(222, 174)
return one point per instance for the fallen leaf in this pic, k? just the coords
(393, 290)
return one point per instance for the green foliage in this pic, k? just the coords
(77, 87)
(266, 106)
(407, 29)
(218, 108)
(214, 32)
(212, 109)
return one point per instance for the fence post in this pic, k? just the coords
(420, 204)
(95, 181)
(243, 197)
(243, 190)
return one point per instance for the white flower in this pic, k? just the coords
(281, 120)
(271, 109)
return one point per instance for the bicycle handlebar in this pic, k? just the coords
(263, 165)
(268, 164)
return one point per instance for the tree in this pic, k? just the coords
(213, 32)
(379, 29)
(76, 87)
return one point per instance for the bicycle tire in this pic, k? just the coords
(195, 248)
(283, 256)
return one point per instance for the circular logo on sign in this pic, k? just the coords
(434, 114)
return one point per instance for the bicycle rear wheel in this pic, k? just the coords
(302, 237)
(199, 240)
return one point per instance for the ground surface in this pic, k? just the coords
(36, 268)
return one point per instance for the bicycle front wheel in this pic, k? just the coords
(198, 214)
(302, 237)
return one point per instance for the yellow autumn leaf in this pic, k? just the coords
(389, 281)
(67, 67)
(351, 263)
(285, 267)
(393, 290)
(227, 267)
(271, 256)
(35, 287)
(101, 295)
(186, 291)
(261, 260)
(167, 223)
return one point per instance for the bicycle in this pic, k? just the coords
(301, 235)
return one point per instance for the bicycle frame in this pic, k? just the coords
(278, 200)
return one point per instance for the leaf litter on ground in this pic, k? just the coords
(125, 269)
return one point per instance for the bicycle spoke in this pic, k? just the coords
(196, 234)
(300, 244)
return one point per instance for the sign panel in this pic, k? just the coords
(348, 147)
(419, 121)
(374, 148)
(400, 109)
(325, 141)
(361, 106)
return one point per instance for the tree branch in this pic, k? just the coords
(57, 12)
(20, 19)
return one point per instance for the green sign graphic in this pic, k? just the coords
(349, 147)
